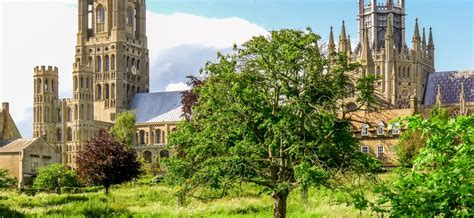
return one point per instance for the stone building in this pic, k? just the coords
(22, 157)
(111, 75)
(408, 82)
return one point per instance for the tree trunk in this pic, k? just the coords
(182, 199)
(106, 189)
(279, 205)
(304, 194)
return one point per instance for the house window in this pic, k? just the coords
(380, 151)
(142, 137)
(158, 136)
(380, 128)
(364, 149)
(164, 154)
(34, 162)
(396, 129)
(364, 130)
(46, 160)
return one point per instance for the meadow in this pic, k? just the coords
(156, 200)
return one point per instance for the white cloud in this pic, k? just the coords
(44, 33)
(181, 86)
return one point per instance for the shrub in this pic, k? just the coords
(55, 176)
(6, 180)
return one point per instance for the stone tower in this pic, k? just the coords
(45, 101)
(112, 52)
(382, 50)
(374, 17)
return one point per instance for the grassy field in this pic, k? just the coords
(148, 200)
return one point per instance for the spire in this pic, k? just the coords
(430, 40)
(462, 101)
(331, 45)
(349, 46)
(423, 41)
(438, 97)
(416, 37)
(366, 55)
(343, 39)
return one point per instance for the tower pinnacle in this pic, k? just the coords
(343, 39)
(331, 45)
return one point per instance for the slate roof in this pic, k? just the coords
(450, 87)
(157, 107)
(16, 145)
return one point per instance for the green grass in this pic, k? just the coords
(148, 200)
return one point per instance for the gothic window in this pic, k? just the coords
(147, 156)
(138, 64)
(112, 60)
(59, 135)
(81, 114)
(112, 91)
(39, 86)
(164, 154)
(46, 87)
(128, 62)
(142, 137)
(99, 92)
(158, 136)
(76, 110)
(107, 63)
(59, 115)
(69, 114)
(87, 82)
(99, 64)
(408, 73)
(403, 100)
(69, 134)
(130, 16)
(100, 18)
(82, 82)
(107, 91)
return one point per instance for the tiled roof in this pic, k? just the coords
(16, 145)
(157, 107)
(450, 87)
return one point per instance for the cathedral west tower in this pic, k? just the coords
(112, 52)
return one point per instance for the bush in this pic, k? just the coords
(54, 177)
(6, 180)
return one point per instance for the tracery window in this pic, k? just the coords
(403, 100)
(100, 18)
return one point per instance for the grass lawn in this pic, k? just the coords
(156, 200)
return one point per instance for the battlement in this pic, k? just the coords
(46, 70)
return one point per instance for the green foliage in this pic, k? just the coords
(441, 180)
(265, 113)
(6, 180)
(55, 176)
(124, 128)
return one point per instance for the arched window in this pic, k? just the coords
(59, 135)
(133, 62)
(112, 91)
(99, 64)
(52, 85)
(59, 115)
(164, 154)
(138, 64)
(46, 87)
(112, 60)
(107, 91)
(69, 114)
(100, 18)
(87, 82)
(107, 63)
(81, 112)
(142, 137)
(147, 156)
(69, 134)
(82, 82)
(39, 86)
(99, 92)
(158, 136)
(408, 72)
(130, 16)
(127, 62)
(76, 110)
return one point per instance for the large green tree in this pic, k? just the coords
(269, 115)
(441, 181)
(124, 128)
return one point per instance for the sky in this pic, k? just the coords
(184, 34)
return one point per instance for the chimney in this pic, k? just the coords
(6, 112)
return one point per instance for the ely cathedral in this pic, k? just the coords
(111, 75)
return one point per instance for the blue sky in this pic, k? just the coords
(184, 34)
(452, 20)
